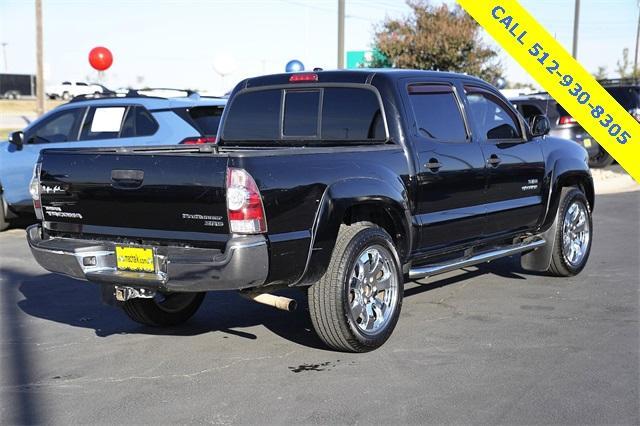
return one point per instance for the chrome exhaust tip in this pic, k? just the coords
(278, 302)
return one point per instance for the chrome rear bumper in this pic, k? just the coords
(243, 264)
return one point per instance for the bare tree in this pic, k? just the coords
(601, 73)
(624, 67)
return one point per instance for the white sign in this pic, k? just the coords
(107, 120)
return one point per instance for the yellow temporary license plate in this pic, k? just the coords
(587, 142)
(135, 259)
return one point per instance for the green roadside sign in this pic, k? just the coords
(359, 58)
(364, 58)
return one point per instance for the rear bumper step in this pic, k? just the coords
(243, 264)
(482, 257)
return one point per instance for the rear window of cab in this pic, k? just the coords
(340, 114)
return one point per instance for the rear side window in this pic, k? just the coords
(205, 119)
(329, 113)
(352, 115)
(117, 121)
(103, 123)
(437, 113)
(138, 122)
(254, 116)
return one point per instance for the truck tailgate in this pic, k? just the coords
(177, 195)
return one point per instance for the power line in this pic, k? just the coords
(381, 6)
(310, 6)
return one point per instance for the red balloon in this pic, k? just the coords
(100, 58)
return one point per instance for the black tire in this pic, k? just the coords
(330, 298)
(561, 265)
(163, 313)
(4, 224)
(66, 96)
(601, 159)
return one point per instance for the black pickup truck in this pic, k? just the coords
(343, 183)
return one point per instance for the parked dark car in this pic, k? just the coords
(342, 183)
(625, 91)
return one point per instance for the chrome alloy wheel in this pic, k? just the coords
(575, 233)
(373, 289)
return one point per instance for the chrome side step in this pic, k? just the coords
(486, 256)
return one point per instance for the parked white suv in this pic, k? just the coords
(67, 90)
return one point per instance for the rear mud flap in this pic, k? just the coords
(540, 259)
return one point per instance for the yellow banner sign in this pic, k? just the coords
(562, 76)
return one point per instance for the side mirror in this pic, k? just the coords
(17, 138)
(540, 125)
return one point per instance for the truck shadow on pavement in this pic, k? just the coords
(64, 300)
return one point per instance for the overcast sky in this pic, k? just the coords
(178, 43)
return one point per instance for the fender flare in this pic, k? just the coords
(565, 173)
(338, 198)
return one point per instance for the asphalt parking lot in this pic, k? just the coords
(492, 344)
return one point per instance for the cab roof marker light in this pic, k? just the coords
(303, 77)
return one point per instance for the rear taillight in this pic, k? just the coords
(34, 190)
(244, 203)
(567, 119)
(199, 140)
(635, 112)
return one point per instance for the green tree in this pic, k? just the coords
(435, 38)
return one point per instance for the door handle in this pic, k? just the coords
(127, 179)
(494, 160)
(433, 165)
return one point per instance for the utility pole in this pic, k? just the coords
(4, 56)
(635, 61)
(340, 34)
(576, 19)
(39, 60)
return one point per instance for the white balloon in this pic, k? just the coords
(224, 64)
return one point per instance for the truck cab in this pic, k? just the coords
(343, 183)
